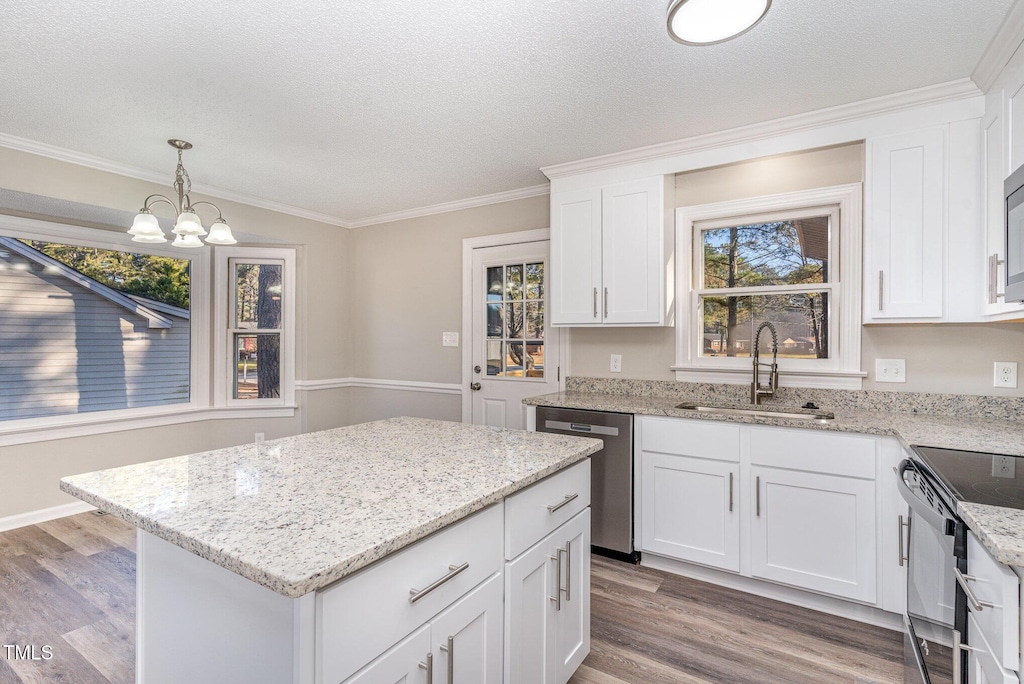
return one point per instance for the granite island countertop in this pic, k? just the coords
(299, 513)
(1000, 529)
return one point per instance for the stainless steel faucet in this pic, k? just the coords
(756, 389)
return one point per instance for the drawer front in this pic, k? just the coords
(992, 582)
(362, 616)
(536, 511)
(813, 451)
(690, 437)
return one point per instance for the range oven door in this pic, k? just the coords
(932, 592)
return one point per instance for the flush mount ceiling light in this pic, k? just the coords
(708, 22)
(188, 227)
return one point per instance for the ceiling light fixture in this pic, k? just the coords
(709, 22)
(188, 227)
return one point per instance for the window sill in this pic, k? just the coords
(824, 379)
(64, 427)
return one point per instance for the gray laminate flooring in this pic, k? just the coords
(70, 584)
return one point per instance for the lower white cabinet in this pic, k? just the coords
(462, 644)
(814, 531)
(547, 628)
(689, 509)
(982, 665)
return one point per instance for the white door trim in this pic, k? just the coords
(468, 245)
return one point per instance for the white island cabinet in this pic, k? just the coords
(377, 553)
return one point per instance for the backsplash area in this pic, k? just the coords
(921, 403)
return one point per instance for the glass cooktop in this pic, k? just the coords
(992, 479)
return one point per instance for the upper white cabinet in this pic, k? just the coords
(923, 225)
(610, 255)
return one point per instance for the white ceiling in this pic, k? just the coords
(359, 108)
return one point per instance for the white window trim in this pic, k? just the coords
(842, 370)
(223, 385)
(199, 407)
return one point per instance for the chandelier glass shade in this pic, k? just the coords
(188, 227)
(709, 22)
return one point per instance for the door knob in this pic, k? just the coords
(474, 386)
(477, 369)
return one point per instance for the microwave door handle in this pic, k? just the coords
(920, 508)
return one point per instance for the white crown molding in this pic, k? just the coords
(13, 522)
(1001, 49)
(929, 95)
(377, 383)
(445, 207)
(99, 164)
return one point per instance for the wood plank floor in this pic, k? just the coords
(70, 584)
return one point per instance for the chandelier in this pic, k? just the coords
(188, 229)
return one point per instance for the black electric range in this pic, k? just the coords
(976, 477)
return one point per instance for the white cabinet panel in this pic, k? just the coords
(998, 589)
(814, 531)
(572, 622)
(689, 509)
(529, 515)
(574, 281)
(982, 665)
(905, 227)
(632, 241)
(406, 663)
(468, 637)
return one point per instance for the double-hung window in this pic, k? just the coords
(791, 260)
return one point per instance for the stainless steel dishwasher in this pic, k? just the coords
(611, 486)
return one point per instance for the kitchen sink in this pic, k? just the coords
(759, 411)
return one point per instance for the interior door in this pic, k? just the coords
(515, 350)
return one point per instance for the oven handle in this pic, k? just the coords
(920, 508)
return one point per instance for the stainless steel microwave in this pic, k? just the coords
(1014, 189)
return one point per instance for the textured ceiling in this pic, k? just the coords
(355, 109)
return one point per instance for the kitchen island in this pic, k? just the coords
(310, 558)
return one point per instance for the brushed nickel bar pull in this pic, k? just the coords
(730, 492)
(962, 580)
(569, 498)
(606, 302)
(450, 650)
(903, 558)
(429, 667)
(568, 570)
(994, 262)
(757, 489)
(557, 598)
(958, 648)
(595, 302)
(416, 594)
(881, 303)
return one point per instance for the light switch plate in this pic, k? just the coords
(616, 363)
(1005, 374)
(890, 370)
(449, 339)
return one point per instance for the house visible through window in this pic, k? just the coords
(85, 329)
(775, 269)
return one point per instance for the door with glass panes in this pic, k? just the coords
(515, 352)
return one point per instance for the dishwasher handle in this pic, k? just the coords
(564, 426)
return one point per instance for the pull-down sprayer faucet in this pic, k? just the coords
(756, 389)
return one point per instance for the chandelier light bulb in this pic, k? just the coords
(146, 228)
(220, 234)
(187, 241)
(707, 22)
(188, 223)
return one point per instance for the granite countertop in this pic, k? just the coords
(1000, 529)
(299, 513)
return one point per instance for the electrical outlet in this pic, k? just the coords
(616, 364)
(890, 370)
(259, 437)
(450, 339)
(1005, 374)
(1003, 466)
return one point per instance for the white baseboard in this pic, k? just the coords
(12, 522)
(778, 592)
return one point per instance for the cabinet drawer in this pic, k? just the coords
(688, 437)
(816, 452)
(992, 582)
(529, 512)
(362, 616)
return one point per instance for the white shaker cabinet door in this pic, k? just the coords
(572, 621)
(690, 509)
(814, 531)
(574, 279)
(632, 242)
(406, 663)
(982, 665)
(467, 638)
(905, 225)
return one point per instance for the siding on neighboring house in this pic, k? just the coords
(66, 348)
